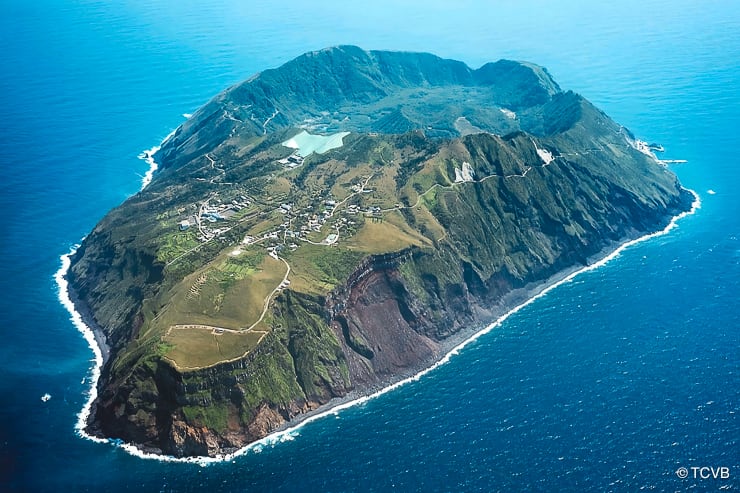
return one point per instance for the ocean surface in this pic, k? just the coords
(611, 382)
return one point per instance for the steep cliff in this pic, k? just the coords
(265, 271)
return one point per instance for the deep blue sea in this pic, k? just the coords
(610, 382)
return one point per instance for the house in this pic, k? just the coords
(331, 239)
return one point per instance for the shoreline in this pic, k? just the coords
(60, 277)
(289, 430)
(96, 340)
(148, 157)
(510, 304)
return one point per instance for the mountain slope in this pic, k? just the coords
(255, 280)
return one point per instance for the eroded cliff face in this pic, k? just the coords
(108, 265)
(555, 184)
(371, 331)
(395, 315)
(224, 407)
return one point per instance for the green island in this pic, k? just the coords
(338, 223)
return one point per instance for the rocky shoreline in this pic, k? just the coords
(508, 305)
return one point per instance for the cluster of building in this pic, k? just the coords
(208, 213)
(274, 250)
(299, 224)
(225, 210)
(298, 221)
(293, 161)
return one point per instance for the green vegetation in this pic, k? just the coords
(222, 287)
(317, 269)
(214, 416)
(163, 348)
(204, 346)
(384, 237)
(319, 362)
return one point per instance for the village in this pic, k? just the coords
(214, 217)
(266, 234)
(302, 220)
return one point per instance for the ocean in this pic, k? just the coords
(610, 382)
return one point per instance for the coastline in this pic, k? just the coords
(95, 338)
(148, 157)
(456, 343)
(60, 277)
(290, 430)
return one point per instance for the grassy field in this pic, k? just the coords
(230, 287)
(384, 185)
(383, 237)
(428, 224)
(317, 269)
(343, 185)
(176, 243)
(192, 348)
(228, 293)
(247, 297)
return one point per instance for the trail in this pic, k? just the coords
(264, 125)
(454, 185)
(266, 304)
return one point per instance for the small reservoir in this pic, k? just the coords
(306, 143)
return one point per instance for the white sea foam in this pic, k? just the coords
(61, 279)
(148, 156)
(289, 434)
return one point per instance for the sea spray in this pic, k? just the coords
(148, 157)
(290, 433)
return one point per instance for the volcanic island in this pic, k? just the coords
(332, 226)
